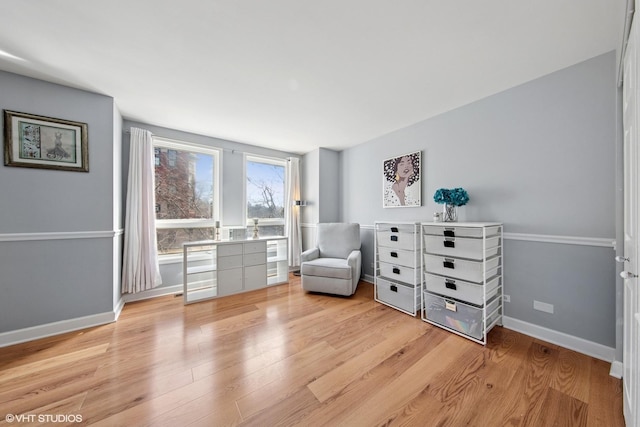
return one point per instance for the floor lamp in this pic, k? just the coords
(299, 203)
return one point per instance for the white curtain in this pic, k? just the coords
(140, 270)
(292, 212)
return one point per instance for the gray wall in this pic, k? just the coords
(48, 280)
(541, 158)
(321, 189)
(233, 180)
(329, 184)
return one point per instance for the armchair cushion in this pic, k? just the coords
(336, 268)
(337, 240)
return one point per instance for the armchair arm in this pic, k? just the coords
(309, 254)
(355, 262)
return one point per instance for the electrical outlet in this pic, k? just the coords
(543, 306)
(506, 298)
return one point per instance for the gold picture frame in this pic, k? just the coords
(32, 141)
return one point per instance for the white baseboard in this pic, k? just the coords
(152, 293)
(368, 278)
(57, 328)
(580, 345)
(118, 309)
(616, 369)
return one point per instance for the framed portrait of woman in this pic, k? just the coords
(402, 181)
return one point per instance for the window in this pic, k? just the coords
(187, 202)
(265, 192)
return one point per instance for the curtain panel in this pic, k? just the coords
(140, 269)
(292, 212)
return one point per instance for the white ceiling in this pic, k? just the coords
(296, 75)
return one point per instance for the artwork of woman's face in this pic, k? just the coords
(405, 167)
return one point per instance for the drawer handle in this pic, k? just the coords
(396, 270)
(393, 288)
(449, 244)
(394, 254)
(450, 305)
(448, 263)
(449, 232)
(394, 229)
(394, 238)
(450, 284)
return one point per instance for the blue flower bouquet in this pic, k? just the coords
(451, 199)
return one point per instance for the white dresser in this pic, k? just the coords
(217, 268)
(398, 273)
(462, 264)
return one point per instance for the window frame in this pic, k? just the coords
(268, 160)
(216, 153)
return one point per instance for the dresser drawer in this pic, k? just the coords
(461, 290)
(463, 247)
(255, 258)
(472, 271)
(398, 295)
(255, 277)
(227, 262)
(459, 316)
(453, 231)
(397, 240)
(255, 247)
(226, 250)
(399, 272)
(396, 228)
(229, 281)
(399, 256)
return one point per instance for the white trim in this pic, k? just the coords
(168, 224)
(152, 293)
(565, 240)
(60, 327)
(617, 368)
(580, 345)
(60, 235)
(118, 309)
(177, 144)
(368, 278)
(542, 238)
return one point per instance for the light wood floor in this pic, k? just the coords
(283, 357)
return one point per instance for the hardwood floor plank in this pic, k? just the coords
(561, 410)
(495, 379)
(335, 380)
(283, 356)
(289, 411)
(54, 362)
(524, 402)
(120, 393)
(295, 373)
(405, 386)
(565, 377)
(28, 394)
(370, 382)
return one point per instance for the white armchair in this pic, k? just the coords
(333, 266)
